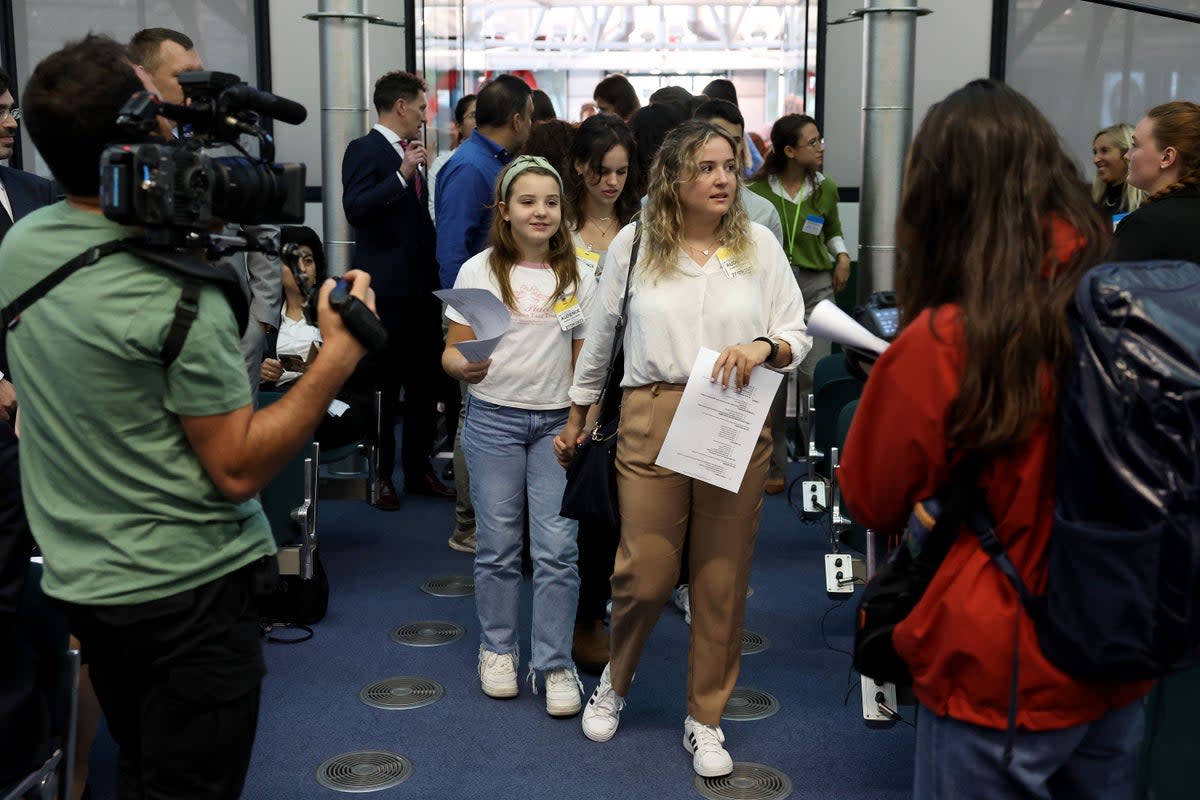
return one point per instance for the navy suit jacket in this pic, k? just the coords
(395, 239)
(26, 192)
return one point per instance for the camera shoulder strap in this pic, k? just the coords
(185, 309)
(10, 315)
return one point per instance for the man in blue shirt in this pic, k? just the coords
(465, 186)
(463, 207)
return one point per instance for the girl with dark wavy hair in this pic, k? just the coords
(995, 230)
(603, 171)
(516, 403)
(1164, 161)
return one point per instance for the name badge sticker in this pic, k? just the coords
(569, 313)
(729, 264)
(588, 260)
(813, 224)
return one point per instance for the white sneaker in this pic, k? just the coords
(564, 692)
(705, 742)
(683, 601)
(498, 673)
(602, 713)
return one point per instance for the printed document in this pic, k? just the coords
(485, 313)
(715, 430)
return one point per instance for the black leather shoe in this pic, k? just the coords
(386, 498)
(430, 486)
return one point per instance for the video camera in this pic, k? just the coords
(178, 194)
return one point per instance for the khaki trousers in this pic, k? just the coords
(658, 509)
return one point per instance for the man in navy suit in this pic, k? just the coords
(385, 194)
(20, 193)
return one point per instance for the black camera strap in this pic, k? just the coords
(195, 274)
(10, 315)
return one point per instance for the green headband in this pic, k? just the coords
(522, 163)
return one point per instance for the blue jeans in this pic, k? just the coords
(1096, 760)
(510, 455)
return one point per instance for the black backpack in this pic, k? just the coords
(1122, 599)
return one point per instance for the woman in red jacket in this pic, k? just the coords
(995, 230)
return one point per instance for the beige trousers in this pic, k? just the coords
(658, 509)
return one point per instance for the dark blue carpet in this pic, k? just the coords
(470, 746)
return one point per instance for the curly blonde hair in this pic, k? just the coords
(678, 161)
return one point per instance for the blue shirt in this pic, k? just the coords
(463, 198)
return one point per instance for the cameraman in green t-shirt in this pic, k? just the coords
(140, 477)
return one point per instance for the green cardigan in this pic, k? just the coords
(806, 250)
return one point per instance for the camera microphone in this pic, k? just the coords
(280, 108)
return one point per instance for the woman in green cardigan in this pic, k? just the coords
(807, 203)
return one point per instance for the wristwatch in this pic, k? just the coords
(774, 348)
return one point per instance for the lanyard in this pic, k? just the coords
(790, 231)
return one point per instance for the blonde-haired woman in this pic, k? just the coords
(1111, 192)
(705, 276)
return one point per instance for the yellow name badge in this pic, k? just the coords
(731, 265)
(588, 260)
(569, 313)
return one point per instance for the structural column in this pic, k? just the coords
(889, 50)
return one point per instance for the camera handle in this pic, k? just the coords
(358, 319)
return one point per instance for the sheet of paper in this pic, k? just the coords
(827, 321)
(713, 434)
(485, 313)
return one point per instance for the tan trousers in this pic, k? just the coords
(658, 508)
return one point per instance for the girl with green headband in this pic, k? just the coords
(516, 404)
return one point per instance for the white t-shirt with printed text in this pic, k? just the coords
(531, 366)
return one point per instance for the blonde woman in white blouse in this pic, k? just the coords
(705, 277)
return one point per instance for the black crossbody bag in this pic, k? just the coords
(591, 493)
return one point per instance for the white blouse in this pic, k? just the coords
(671, 319)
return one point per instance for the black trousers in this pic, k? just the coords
(179, 680)
(412, 361)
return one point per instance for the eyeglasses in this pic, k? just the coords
(469, 115)
(13, 113)
(815, 144)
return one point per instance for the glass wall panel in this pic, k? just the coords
(1087, 66)
(565, 47)
(222, 29)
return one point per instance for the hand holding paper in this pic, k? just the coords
(485, 313)
(715, 429)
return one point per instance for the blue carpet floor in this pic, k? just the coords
(470, 746)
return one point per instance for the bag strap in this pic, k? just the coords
(185, 309)
(619, 329)
(10, 315)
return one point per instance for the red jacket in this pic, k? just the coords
(958, 641)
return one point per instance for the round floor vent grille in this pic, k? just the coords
(747, 704)
(449, 586)
(402, 692)
(364, 771)
(754, 642)
(428, 633)
(746, 782)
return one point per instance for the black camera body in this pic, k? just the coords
(177, 192)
